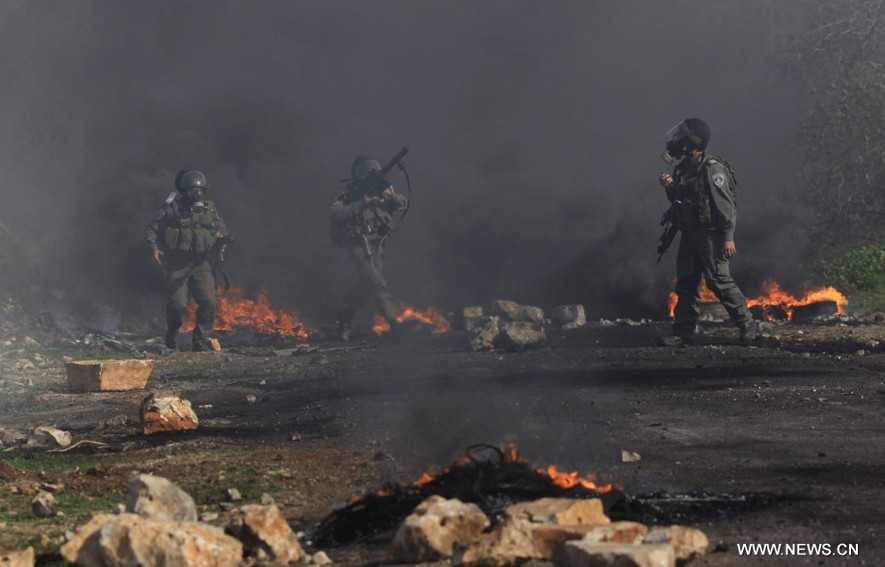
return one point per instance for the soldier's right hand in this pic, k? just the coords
(665, 179)
(158, 257)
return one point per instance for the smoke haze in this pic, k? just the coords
(535, 131)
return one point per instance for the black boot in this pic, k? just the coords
(171, 336)
(344, 331)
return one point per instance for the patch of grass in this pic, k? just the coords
(47, 462)
(860, 274)
(82, 507)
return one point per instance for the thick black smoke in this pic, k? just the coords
(535, 130)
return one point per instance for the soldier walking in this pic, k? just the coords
(703, 192)
(363, 217)
(184, 239)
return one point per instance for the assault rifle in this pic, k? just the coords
(217, 264)
(376, 182)
(670, 230)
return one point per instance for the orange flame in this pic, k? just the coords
(236, 311)
(776, 299)
(509, 454)
(428, 316)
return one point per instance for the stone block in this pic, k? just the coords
(108, 375)
(160, 499)
(471, 317)
(484, 334)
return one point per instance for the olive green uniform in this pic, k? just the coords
(186, 234)
(706, 213)
(361, 229)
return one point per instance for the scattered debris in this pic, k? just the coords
(630, 457)
(233, 495)
(108, 375)
(167, 414)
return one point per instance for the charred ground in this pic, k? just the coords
(781, 440)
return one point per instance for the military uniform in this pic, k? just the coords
(361, 229)
(705, 212)
(186, 233)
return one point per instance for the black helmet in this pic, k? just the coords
(188, 178)
(690, 134)
(362, 166)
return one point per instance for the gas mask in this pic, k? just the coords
(678, 143)
(195, 196)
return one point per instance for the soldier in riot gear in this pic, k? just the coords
(364, 215)
(703, 193)
(184, 238)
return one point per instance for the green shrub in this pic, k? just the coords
(860, 274)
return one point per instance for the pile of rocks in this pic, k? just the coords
(514, 327)
(565, 531)
(159, 525)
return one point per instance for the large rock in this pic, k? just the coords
(435, 527)
(484, 334)
(160, 499)
(265, 534)
(23, 558)
(519, 335)
(688, 543)
(167, 414)
(599, 554)
(512, 311)
(104, 375)
(559, 512)
(126, 540)
(569, 316)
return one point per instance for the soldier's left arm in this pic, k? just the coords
(723, 205)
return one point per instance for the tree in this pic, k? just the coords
(842, 140)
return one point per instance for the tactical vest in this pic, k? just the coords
(190, 231)
(694, 210)
(373, 221)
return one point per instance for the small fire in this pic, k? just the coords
(428, 316)
(774, 298)
(508, 454)
(236, 311)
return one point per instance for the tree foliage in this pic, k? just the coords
(842, 140)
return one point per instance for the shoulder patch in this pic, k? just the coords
(160, 214)
(719, 180)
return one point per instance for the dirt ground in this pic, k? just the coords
(780, 442)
